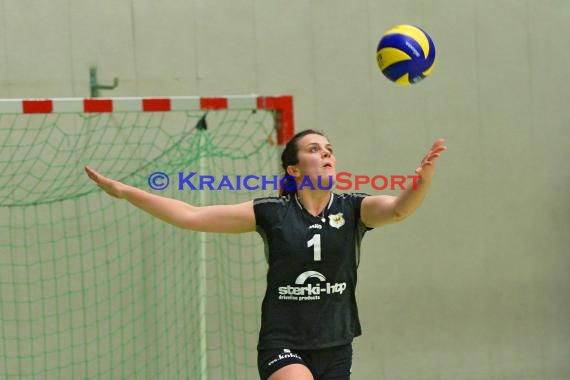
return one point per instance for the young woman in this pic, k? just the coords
(312, 242)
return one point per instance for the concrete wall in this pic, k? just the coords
(476, 285)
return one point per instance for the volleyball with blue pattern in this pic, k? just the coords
(406, 54)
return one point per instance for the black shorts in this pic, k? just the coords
(333, 363)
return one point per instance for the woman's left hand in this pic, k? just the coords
(427, 167)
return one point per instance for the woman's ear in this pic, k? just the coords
(293, 171)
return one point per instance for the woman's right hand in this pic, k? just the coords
(111, 187)
(232, 218)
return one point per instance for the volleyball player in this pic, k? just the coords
(312, 243)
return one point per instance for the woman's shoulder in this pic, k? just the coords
(349, 196)
(277, 201)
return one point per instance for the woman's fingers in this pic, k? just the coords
(430, 157)
(437, 143)
(439, 149)
(109, 186)
(92, 174)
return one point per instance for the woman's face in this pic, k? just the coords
(316, 160)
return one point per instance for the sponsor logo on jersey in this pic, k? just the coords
(336, 220)
(301, 291)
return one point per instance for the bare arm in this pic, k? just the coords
(234, 218)
(378, 210)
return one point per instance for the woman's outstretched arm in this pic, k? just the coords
(235, 218)
(378, 210)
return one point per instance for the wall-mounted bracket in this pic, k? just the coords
(95, 87)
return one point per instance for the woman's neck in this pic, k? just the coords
(314, 201)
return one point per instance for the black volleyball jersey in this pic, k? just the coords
(310, 300)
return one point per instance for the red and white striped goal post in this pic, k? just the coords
(282, 105)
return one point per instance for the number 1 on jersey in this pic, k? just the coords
(315, 242)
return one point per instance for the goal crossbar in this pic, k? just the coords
(282, 105)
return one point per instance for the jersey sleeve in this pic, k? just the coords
(265, 211)
(357, 199)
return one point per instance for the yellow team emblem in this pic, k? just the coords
(336, 220)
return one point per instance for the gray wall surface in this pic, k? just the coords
(476, 284)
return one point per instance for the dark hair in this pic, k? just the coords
(290, 156)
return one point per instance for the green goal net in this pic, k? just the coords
(92, 287)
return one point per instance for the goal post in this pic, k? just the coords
(92, 287)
